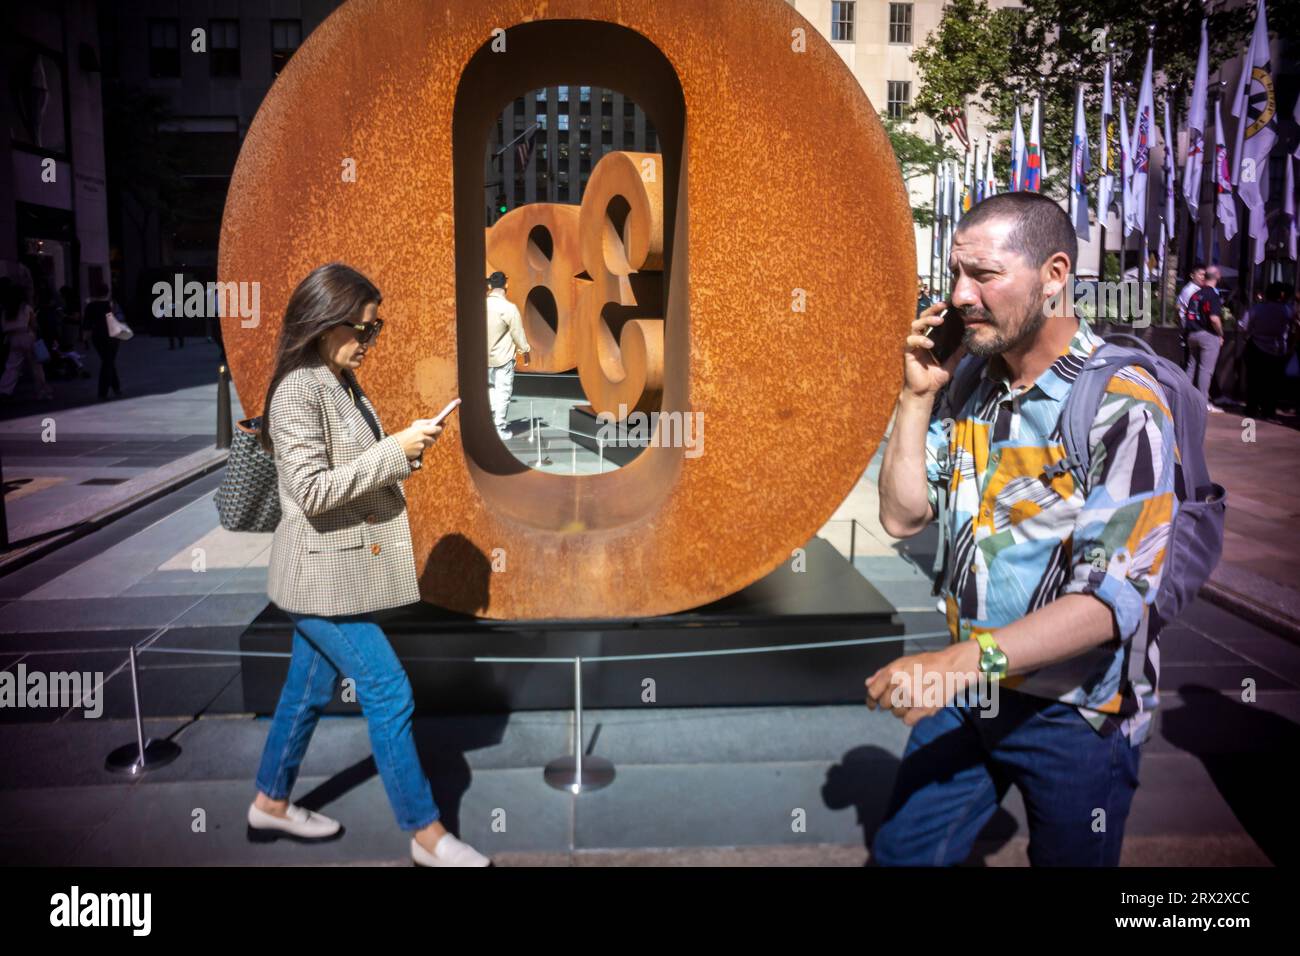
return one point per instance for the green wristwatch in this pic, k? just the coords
(992, 661)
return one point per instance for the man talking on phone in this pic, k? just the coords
(1046, 582)
(505, 333)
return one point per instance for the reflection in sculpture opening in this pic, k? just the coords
(574, 248)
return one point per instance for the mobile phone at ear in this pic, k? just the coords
(948, 335)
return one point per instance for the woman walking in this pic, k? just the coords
(96, 324)
(19, 325)
(342, 550)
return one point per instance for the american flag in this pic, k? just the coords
(524, 149)
(956, 120)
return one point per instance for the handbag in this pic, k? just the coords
(117, 327)
(41, 351)
(249, 496)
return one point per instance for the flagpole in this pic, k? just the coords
(1123, 193)
(935, 224)
(1104, 214)
(1146, 193)
(1187, 248)
(1214, 222)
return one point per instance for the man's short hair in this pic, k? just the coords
(1041, 228)
(1213, 272)
(1198, 267)
(497, 280)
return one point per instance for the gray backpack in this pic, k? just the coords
(1196, 538)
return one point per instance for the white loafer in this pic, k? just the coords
(448, 852)
(298, 823)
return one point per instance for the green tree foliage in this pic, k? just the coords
(917, 157)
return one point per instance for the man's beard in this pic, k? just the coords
(1004, 341)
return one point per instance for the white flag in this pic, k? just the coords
(1079, 167)
(1106, 151)
(1140, 142)
(1017, 154)
(1195, 162)
(1256, 129)
(1227, 206)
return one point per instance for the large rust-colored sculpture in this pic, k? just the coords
(588, 282)
(787, 266)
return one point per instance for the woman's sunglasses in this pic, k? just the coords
(366, 331)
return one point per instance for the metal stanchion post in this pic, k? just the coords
(224, 432)
(576, 773)
(600, 443)
(142, 756)
(853, 539)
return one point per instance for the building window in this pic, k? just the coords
(842, 21)
(900, 23)
(223, 47)
(898, 98)
(286, 36)
(164, 48)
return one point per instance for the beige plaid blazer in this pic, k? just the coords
(343, 545)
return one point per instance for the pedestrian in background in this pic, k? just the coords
(1204, 327)
(1269, 327)
(95, 318)
(20, 329)
(505, 333)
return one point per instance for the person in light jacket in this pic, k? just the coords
(342, 551)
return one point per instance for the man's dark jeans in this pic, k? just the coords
(1077, 784)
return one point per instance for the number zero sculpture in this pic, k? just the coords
(765, 281)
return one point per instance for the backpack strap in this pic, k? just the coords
(1083, 402)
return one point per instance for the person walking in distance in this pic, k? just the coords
(95, 317)
(1204, 327)
(20, 328)
(505, 334)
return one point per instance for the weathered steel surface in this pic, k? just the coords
(588, 282)
(536, 246)
(778, 183)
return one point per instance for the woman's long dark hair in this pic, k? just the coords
(331, 295)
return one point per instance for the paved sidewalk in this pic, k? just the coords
(727, 786)
(697, 785)
(1257, 462)
(68, 461)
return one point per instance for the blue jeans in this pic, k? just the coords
(355, 646)
(958, 765)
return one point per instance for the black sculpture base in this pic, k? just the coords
(827, 601)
